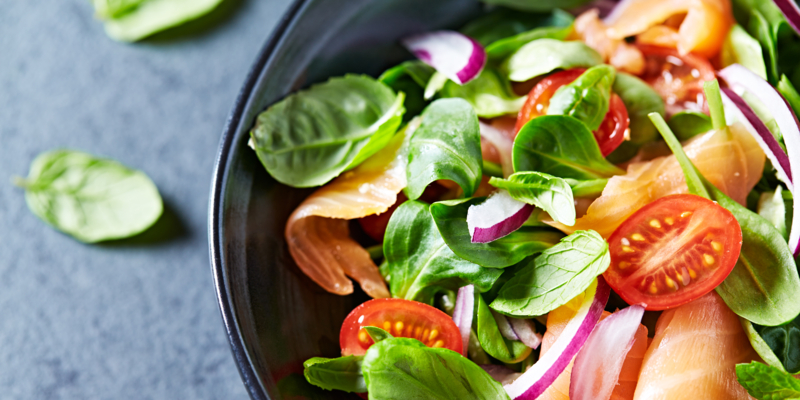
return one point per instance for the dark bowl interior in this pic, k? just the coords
(274, 315)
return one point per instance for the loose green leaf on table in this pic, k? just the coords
(538, 5)
(490, 338)
(545, 191)
(343, 373)
(451, 219)
(560, 146)
(501, 23)
(503, 48)
(93, 199)
(490, 94)
(555, 277)
(401, 368)
(447, 145)
(586, 98)
(741, 48)
(132, 20)
(688, 124)
(767, 383)
(543, 56)
(312, 136)
(419, 262)
(640, 100)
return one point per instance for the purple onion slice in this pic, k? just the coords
(791, 12)
(462, 315)
(452, 54)
(496, 217)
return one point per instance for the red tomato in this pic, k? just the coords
(375, 225)
(673, 251)
(678, 79)
(612, 131)
(401, 318)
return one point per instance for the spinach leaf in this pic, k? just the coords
(538, 5)
(451, 219)
(784, 341)
(377, 334)
(132, 20)
(343, 373)
(490, 338)
(501, 23)
(545, 191)
(447, 145)
(760, 346)
(418, 262)
(543, 56)
(772, 208)
(490, 94)
(688, 124)
(312, 136)
(410, 77)
(555, 277)
(93, 199)
(503, 48)
(403, 368)
(640, 99)
(741, 48)
(767, 383)
(560, 146)
(586, 98)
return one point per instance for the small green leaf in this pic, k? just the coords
(490, 94)
(590, 188)
(501, 23)
(783, 341)
(773, 209)
(490, 338)
(741, 48)
(767, 383)
(410, 77)
(688, 124)
(714, 100)
(640, 99)
(760, 346)
(93, 199)
(693, 178)
(343, 373)
(506, 47)
(377, 334)
(545, 191)
(132, 20)
(543, 56)
(586, 98)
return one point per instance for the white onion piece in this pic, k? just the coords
(526, 332)
(501, 373)
(504, 326)
(736, 107)
(453, 54)
(502, 143)
(738, 76)
(462, 314)
(599, 363)
(541, 375)
(496, 217)
(791, 12)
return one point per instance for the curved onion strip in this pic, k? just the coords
(791, 12)
(496, 217)
(453, 54)
(526, 332)
(317, 231)
(541, 375)
(462, 315)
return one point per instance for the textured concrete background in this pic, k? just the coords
(133, 319)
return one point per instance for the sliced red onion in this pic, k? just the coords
(791, 12)
(526, 332)
(462, 314)
(541, 375)
(503, 145)
(496, 217)
(739, 77)
(735, 106)
(598, 364)
(501, 373)
(453, 54)
(504, 326)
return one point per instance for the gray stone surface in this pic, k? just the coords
(134, 319)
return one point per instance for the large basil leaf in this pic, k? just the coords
(401, 368)
(767, 383)
(547, 192)
(741, 48)
(538, 5)
(343, 373)
(312, 136)
(784, 341)
(586, 98)
(542, 56)
(419, 263)
(560, 146)
(447, 145)
(501, 23)
(490, 338)
(93, 199)
(410, 77)
(490, 94)
(640, 99)
(451, 219)
(688, 124)
(132, 20)
(555, 277)
(503, 48)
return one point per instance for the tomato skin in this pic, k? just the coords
(401, 318)
(612, 130)
(672, 251)
(677, 78)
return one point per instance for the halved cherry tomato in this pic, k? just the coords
(612, 131)
(673, 251)
(401, 318)
(678, 79)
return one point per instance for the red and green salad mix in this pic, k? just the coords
(564, 201)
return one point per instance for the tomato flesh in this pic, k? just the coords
(673, 251)
(401, 318)
(678, 79)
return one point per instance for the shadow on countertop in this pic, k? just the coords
(168, 228)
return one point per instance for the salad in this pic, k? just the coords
(558, 201)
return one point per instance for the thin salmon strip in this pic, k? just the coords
(623, 56)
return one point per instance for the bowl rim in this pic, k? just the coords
(240, 354)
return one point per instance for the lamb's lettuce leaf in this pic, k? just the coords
(550, 193)
(411, 78)
(543, 56)
(640, 100)
(741, 48)
(492, 341)
(502, 22)
(503, 48)
(490, 94)
(586, 98)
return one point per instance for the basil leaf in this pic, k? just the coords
(343, 373)
(403, 368)
(547, 192)
(767, 383)
(410, 77)
(560, 146)
(490, 338)
(784, 342)
(555, 277)
(92, 199)
(377, 334)
(132, 20)
(688, 124)
(503, 48)
(490, 94)
(640, 99)
(451, 219)
(543, 56)
(772, 208)
(502, 23)
(313, 135)
(586, 98)
(419, 262)
(538, 5)
(447, 145)
(741, 48)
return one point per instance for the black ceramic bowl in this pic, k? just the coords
(274, 315)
